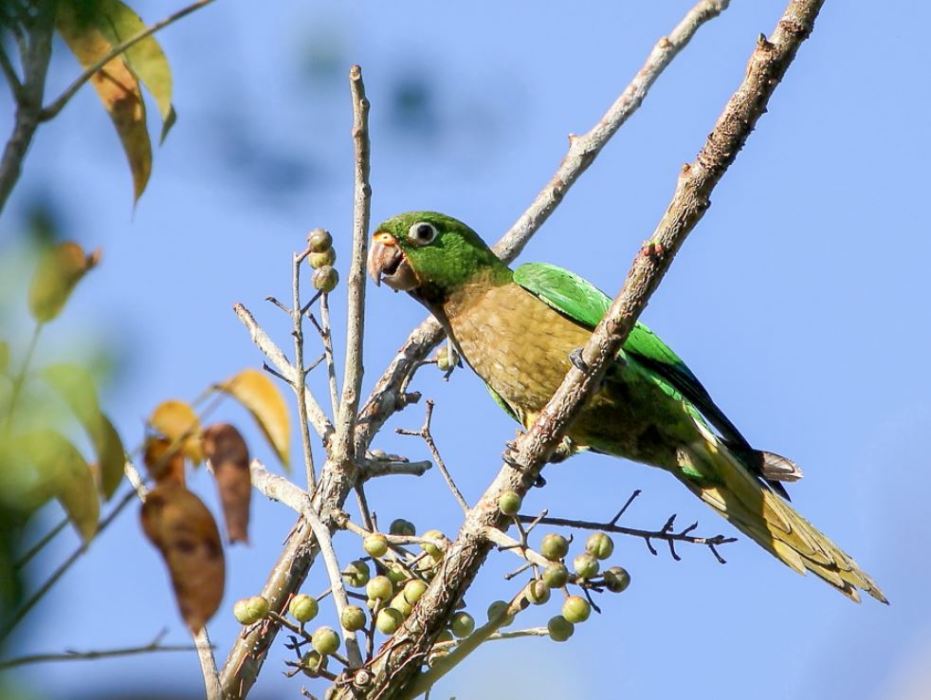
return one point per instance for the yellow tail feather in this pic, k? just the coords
(762, 515)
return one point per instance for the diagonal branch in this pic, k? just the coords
(398, 662)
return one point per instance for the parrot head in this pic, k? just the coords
(428, 254)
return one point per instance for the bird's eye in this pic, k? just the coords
(422, 233)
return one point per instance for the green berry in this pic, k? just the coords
(431, 548)
(375, 545)
(554, 546)
(248, 611)
(444, 636)
(616, 579)
(498, 612)
(556, 575)
(352, 618)
(399, 603)
(303, 607)
(463, 624)
(560, 628)
(325, 640)
(325, 279)
(322, 259)
(576, 609)
(380, 588)
(600, 545)
(585, 565)
(413, 590)
(396, 573)
(356, 574)
(509, 502)
(402, 527)
(538, 592)
(388, 620)
(319, 240)
(313, 662)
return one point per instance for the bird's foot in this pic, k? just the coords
(575, 357)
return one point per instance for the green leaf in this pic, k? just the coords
(62, 471)
(88, 36)
(118, 23)
(4, 356)
(76, 387)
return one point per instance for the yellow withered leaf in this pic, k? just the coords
(62, 472)
(261, 397)
(77, 388)
(146, 59)
(60, 268)
(228, 453)
(180, 526)
(177, 421)
(115, 83)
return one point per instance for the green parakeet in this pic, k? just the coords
(517, 329)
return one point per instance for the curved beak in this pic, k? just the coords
(386, 262)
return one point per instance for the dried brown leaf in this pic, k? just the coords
(228, 453)
(180, 526)
(163, 460)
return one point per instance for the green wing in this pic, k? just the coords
(585, 304)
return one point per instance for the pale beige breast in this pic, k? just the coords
(515, 342)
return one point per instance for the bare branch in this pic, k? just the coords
(343, 448)
(666, 533)
(56, 106)
(16, 87)
(155, 646)
(398, 661)
(263, 342)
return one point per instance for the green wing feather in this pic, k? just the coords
(585, 304)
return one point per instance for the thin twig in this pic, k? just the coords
(395, 665)
(425, 435)
(665, 533)
(155, 646)
(208, 665)
(343, 447)
(326, 337)
(40, 545)
(62, 568)
(263, 342)
(300, 376)
(16, 87)
(56, 106)
(372, 468)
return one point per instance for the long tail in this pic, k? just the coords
(728, 486)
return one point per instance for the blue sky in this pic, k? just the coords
(801, 300)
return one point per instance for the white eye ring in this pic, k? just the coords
(422, 233)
